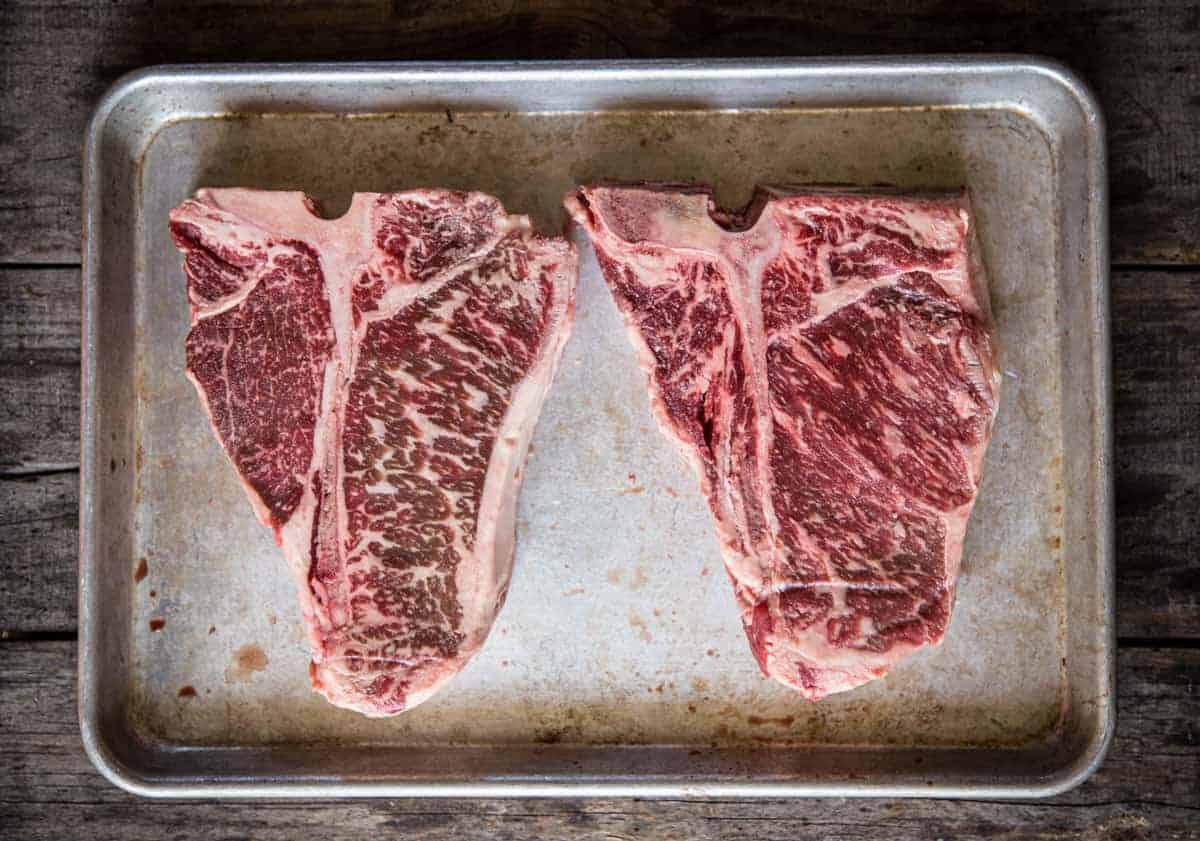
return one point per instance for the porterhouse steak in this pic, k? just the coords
(825, 361)
(375, 380)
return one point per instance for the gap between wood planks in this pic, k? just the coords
(7, 636)
(34, 266)
(36, 471)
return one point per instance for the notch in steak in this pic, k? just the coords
(375, 380)
(825, 362)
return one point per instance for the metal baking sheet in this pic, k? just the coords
(618, 666)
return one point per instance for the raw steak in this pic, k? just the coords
(825, 362)
(375, 380)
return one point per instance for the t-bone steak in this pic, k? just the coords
(375, 379)
(825, 361)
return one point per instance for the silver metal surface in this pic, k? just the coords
(618, 666)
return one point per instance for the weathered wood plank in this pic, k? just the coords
(1146, 790)
(39, 448)
(39, 370)
(39, 551)
(1156, 362)
(56, 60)
(1156, 355)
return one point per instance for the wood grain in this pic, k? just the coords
(39, 552)
(1156, 359)
(1156, 384)
(1145, 791)
(39, 370)
(1143, 61)
(39, 448)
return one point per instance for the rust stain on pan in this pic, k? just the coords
(247, 660)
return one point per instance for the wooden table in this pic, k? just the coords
(1144, 63)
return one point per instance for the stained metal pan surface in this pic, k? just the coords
(618, 666)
